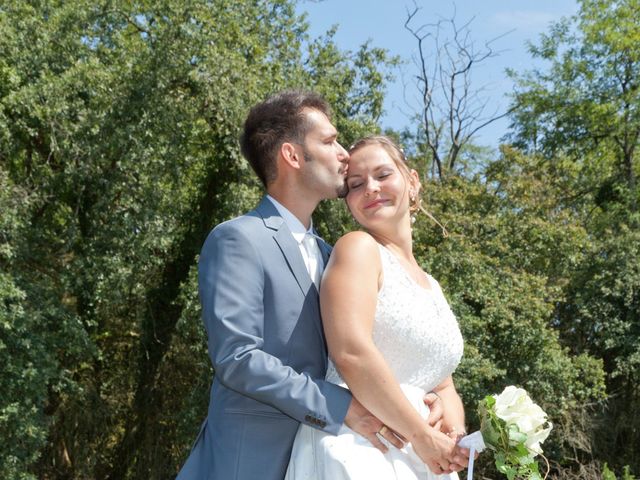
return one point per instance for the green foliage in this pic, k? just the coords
(118, 130)
(609, 475)
(26, 363)
(118, 153)
(582, 115)
(587, 103)
(602, 318)
(505, 267)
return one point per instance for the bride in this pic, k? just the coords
(390, 332)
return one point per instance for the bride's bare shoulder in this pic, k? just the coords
(356, 246)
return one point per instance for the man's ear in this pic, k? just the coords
(290, 155)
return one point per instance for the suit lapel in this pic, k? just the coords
(287, 244)
(291, 252)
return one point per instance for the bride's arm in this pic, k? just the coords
(348, 302)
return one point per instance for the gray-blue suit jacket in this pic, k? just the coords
(267, 346)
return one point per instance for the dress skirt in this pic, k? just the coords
(318, 455)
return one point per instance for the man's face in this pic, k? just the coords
(325, 160)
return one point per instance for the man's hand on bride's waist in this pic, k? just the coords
(363, 422)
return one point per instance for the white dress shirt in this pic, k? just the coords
(306, 240)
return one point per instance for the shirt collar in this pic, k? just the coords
(295, 225)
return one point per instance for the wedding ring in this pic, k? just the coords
(382, 430)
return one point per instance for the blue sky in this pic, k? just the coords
(382, 22)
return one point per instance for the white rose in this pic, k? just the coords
(515, 407)
(533, 441)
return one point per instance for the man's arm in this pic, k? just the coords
(231, 283)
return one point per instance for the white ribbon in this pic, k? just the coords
(475, 443)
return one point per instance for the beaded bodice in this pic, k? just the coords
(414, 328)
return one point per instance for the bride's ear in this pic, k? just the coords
(414, 182)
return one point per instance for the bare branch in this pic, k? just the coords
(451, 112)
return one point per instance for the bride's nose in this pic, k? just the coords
(372, 187)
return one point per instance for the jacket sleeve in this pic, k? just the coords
(231, 284)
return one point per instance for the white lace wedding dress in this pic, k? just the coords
(419, 337)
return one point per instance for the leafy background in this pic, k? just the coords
(118, 153)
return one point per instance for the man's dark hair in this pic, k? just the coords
(280, 118)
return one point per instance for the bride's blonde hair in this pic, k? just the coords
(397, 155)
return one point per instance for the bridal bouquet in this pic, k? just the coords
(514, 427)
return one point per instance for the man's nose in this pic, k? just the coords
(343, 155)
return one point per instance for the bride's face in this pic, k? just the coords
(378, 190)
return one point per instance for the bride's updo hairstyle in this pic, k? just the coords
(397, 155)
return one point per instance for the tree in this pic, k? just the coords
(582, 117)
(452, 111)
(587, 104)
(601, 317)
(119, 121)
(29, 365)
(504, 267)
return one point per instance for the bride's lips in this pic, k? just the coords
(375, 203)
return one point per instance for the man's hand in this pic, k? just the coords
(361, 421)
(436, 409)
